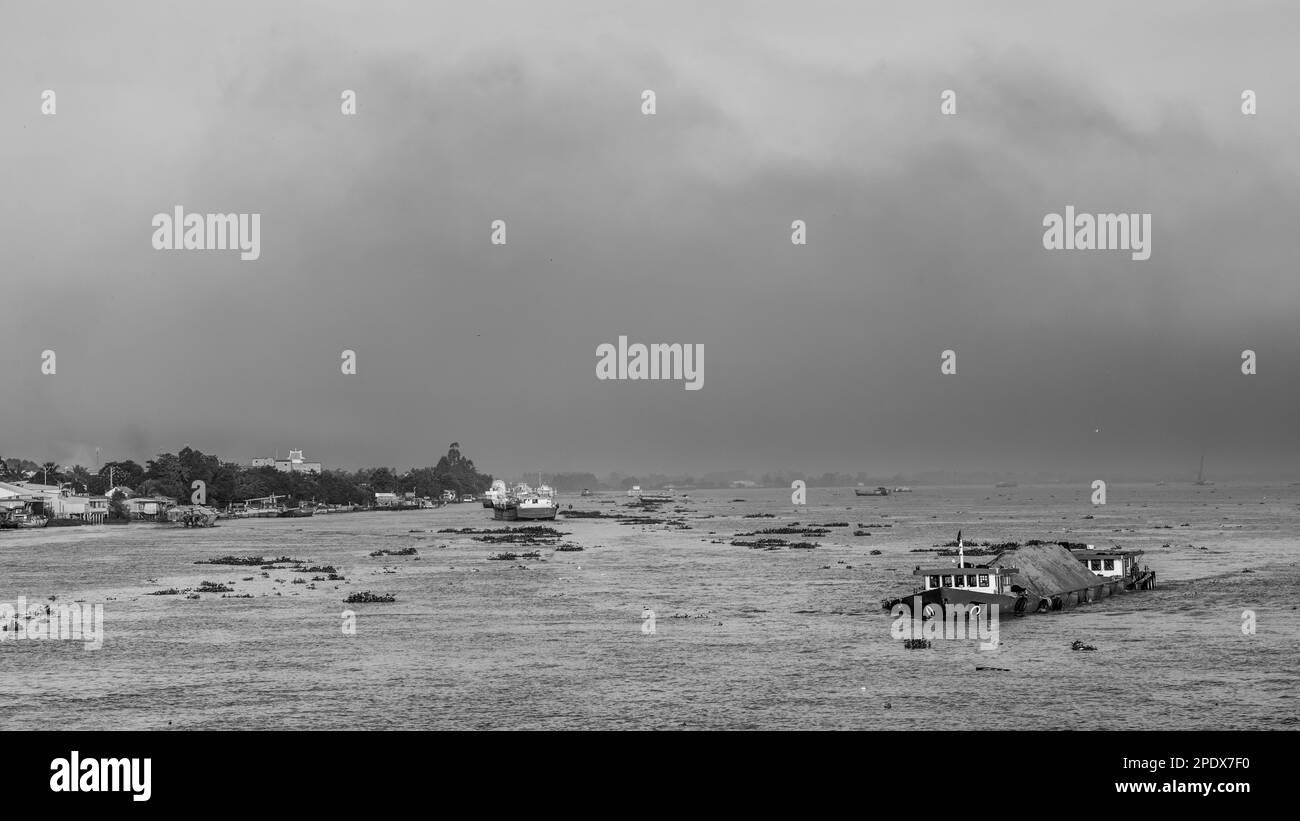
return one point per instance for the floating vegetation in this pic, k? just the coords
(300, 580)
(249, 560)
(171, 591)
(193, 596)
(214, 587)
(329, 568)
(588, 514)
(237, 596)
(532, 554)
(569, 548)
(406, 551)
(760, 544)
(503, 557)
(804, 546)
(369, 598)
(788, 531)
(530, 535)
(875, 553)
(757, 515)
(1079, 645)
(917, 644)
(832, 524)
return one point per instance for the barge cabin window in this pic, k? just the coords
(934, 581)
(1110, 564)
(984, 580)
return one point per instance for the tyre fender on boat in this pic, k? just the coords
(1021, 604)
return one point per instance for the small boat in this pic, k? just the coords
(192, 515)
(862, 491)
(505, 509)
(1007, 484)
(655, 497)
(634, 491)
(30, 515)
(586, 492)
(300, 512)
(902, 490)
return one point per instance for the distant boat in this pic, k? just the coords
(1007, 484)
(880, 491)
(300, 512)
(655, 497)
(633, 491)
(586, 492)
(902, 489)
(1200, 474)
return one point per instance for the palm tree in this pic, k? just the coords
(47, 469)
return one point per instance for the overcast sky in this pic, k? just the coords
(924, 233)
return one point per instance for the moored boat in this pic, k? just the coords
(497, 492)
(30, 515)
(192, 515)
(539, 504)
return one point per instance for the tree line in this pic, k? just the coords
(173, 475)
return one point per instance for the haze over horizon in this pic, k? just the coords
(924, 234)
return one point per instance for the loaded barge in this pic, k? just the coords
(1030, 579)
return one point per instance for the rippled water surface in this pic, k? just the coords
(765, 638)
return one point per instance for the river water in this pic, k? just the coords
(743, 638)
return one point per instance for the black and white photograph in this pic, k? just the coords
(572, 366)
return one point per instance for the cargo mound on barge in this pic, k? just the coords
(1029, 579)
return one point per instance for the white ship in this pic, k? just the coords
(497, 493)
(536, 504)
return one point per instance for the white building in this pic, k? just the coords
(148, 507)
(385, 499)
(294, 464)
(58, 502)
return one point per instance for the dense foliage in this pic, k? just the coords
(173, 475)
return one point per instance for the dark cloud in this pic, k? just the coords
(925, 234)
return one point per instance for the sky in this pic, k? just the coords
(924, 234)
